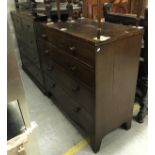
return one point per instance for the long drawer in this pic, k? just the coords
(77, 91)
(25, 31)
(81, 50)
(28, 26)
(76, 112)
(71, 65)
(34, 71)
(32, 54)
(17, 22)
(29, 34)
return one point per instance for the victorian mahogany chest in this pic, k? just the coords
(92, 81)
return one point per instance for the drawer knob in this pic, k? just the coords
(73, 68)
(46, 51)
(72, 48)
(53, 85)
(44, 36)
(77, 109)
(50, 68)
(76, 89)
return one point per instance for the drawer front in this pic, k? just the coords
(35, 72)
(17, 22)
(68, 63)
(78, 49)
(78, 92)
(32, 54)
(29, 39)
(19, 35)
(73, 109)
(28, 26)
(28, 33)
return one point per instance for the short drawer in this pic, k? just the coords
(78, 92)
(73, 46)
(71, 65)
(76, 112)
(34, 71)
(32, 54)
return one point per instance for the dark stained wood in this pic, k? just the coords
(74, 47)
(113, 65)
(93, 82)
(78, 91)
(26, 39)
(117, 69)
(71, 65)
(76, 112)
(86, 30)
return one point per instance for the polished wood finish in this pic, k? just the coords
(90, 8)
(118, 6)
(134, 6)
(92, 81)
(84, 76)
(26, 39)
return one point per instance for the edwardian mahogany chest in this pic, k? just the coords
(92, 81)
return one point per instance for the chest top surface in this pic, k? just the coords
(86, 30)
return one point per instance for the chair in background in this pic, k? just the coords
(142, 81)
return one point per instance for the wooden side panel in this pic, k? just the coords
(104, 86)
(125, 76)
(116, 77)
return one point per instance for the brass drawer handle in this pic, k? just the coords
(44, 36)
(76, 89)
(77, 109)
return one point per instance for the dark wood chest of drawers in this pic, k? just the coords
(92, 82)
(26, 39)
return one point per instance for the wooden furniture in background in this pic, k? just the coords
(90, 8)
(94, 86)
(26, 39)
(119, 6)
(142, 82)
(134, 6)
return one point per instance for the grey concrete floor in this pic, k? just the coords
(56, 134)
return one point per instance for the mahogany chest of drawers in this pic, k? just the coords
(93, 82)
